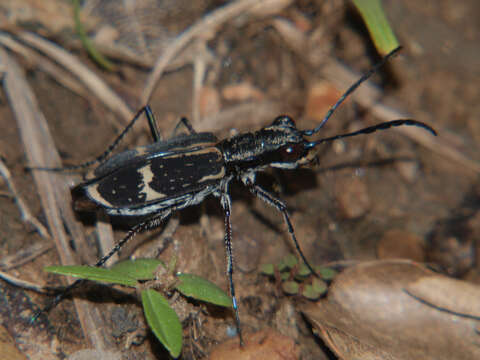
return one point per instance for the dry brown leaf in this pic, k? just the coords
(401, 244)
(369, 314)
(437, 291)
(262, 345)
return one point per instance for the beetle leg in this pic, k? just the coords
(226, 204)
(99, 159)
(145, 225)
(280, 206)
(185, 122)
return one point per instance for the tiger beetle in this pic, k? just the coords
(155, 180)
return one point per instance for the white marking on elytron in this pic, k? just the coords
(114, 191)
(92, 193)
(147, 177)
(195, 151)
(216, 176)
(90, 175)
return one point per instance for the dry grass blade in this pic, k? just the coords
(89, 78)
(52, 189)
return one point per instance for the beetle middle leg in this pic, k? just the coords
(280, 206)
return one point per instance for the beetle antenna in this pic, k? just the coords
(351, 89)
(371, 129)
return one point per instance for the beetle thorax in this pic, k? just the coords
(271, 146)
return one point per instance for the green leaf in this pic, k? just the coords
(303, 270)
(93, 273)
(284, 276)
(377, 25)
(139, 269)
(310, 292)
(282, 267)
(290, 287)
(326, 273)
(290, 261)
(163, 321)
(202, 289)
(267, 269)
(319, 285)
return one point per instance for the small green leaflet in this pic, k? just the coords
(201, 289)
(93, 273)
(139, 269)
(163, 321)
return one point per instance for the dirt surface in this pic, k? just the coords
(351, 207)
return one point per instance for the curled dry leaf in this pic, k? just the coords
(370, 313)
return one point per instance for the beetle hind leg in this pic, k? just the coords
(99, 159)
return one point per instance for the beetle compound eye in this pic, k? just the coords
(292, 152)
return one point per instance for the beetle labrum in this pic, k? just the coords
(155, 180)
